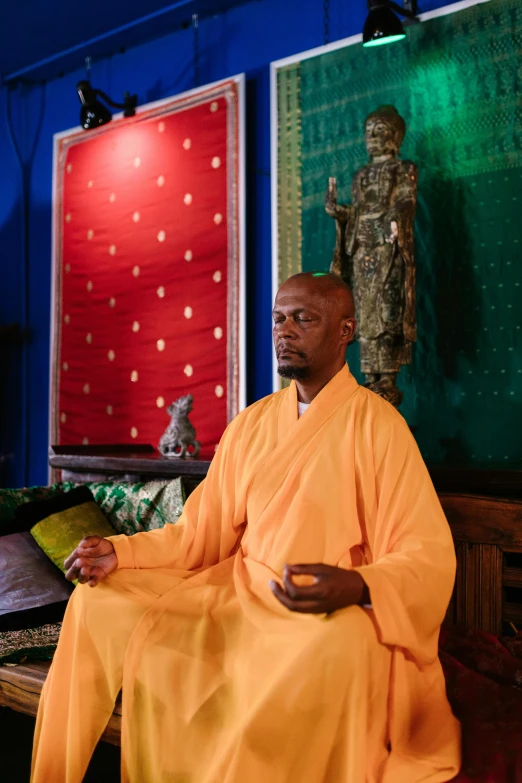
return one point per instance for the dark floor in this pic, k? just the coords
(16, 738)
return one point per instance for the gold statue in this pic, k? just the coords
(374, 252)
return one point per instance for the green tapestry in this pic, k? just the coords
(457, 81)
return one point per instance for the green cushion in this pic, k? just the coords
(60, 533)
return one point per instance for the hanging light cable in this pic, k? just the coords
(326, 21)
(195, 28)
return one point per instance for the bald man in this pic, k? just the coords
(285, 629)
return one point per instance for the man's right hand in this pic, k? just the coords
(93, 559)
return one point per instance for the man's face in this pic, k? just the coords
(307, 331)
(380, 137)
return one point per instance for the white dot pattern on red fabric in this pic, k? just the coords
(150, 235)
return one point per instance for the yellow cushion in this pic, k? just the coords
(59, 534)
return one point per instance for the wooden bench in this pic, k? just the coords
(487, 533)
(488, 540)
(21, 686)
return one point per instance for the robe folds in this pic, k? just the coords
(220, 682)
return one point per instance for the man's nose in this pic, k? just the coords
(285, 329)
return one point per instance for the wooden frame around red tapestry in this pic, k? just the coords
(148, 271)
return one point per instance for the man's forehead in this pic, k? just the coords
(298, 296)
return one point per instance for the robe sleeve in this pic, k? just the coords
(209, 528)
(413, 571)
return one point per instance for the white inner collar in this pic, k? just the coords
(302, 407)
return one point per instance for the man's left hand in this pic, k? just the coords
(333, 588)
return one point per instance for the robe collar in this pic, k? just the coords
(296, 436)
(331, 396)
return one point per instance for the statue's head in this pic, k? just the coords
(384, 132)
(182, 406)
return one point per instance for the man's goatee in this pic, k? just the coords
(293, 373)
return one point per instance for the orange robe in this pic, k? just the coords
(221, 683)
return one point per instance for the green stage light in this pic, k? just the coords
(383, 26)
(382, 41)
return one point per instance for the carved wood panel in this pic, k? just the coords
(477, 599)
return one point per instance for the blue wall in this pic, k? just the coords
(245, 39)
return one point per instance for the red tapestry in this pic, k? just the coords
(147, 277)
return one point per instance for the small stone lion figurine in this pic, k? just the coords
(180, 434)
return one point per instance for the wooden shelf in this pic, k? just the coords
(121, 459)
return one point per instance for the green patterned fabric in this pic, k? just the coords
(11, 498)
(131, 508)
(457, 81)
(289, 168)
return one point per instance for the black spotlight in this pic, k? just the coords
(383, 26)
(93, 113)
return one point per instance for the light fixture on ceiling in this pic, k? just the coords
(93, 113)
(383, 26)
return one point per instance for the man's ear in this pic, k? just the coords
(348, 331)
